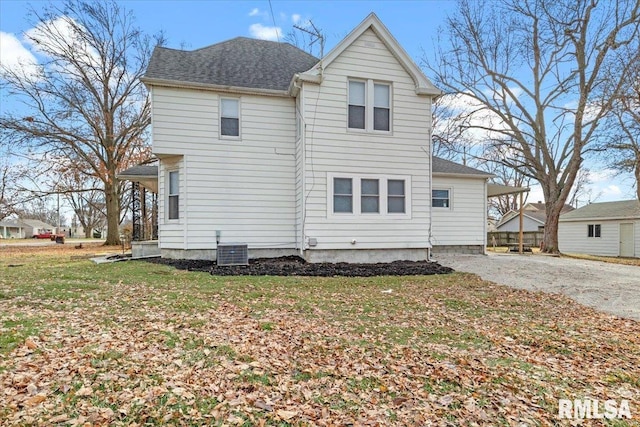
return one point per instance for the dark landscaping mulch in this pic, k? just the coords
(295, 266)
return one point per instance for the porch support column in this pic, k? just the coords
(135, 211)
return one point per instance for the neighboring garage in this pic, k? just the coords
(605, 229)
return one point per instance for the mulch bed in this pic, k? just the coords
(295, 266)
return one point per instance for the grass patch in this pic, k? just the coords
(156, 346)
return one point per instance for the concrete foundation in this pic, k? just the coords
(210, 254)
(145, 249)
(458, 249)
(365, 256)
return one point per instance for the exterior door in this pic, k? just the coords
(626, 240)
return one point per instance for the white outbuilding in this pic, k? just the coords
(605, 229)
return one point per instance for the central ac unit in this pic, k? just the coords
(232, 254)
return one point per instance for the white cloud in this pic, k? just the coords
(263, 32)
(254, 12)
(295, 18)
(463, 112)
(13, 54)
(611, 190)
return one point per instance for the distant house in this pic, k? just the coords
(12, 229)
(33, 227)
(265, 147)
(606, 229)
(534, 218)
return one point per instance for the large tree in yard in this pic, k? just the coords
(538, 68)
(84, 99)
(621, 148)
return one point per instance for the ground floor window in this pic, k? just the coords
(174, 195)
(593, 230)
(368, 195)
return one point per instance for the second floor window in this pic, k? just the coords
(369, 105)
(357, 107)
(229, 117)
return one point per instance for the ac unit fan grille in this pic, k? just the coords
(232, 255)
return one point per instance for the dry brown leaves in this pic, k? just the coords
(414, 356)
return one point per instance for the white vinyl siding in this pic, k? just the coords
(464, 223)
(171, 232)
(246, 191)
(335, 150)
(573, 237)
(528, 224)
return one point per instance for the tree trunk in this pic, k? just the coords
(637, 174)
(553, 210)
(88, 232)
(113, 213)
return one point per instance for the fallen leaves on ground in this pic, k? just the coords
(439, 350)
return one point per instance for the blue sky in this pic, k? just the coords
(194, 24)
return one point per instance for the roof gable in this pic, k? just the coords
(233, 64)
(423, 85)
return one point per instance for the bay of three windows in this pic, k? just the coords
(369, 196)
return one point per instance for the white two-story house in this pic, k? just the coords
(261, 144)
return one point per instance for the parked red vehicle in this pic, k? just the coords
(45, 234)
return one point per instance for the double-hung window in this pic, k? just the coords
(594, 230)
(440, 198)
(369, 195)
(230, 117)
(357, 104)
(369, 105)
(396, 196)
(174, 195)
(343, 195)
(381, 107)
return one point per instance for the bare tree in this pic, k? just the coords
(86, 99)
(622, 147)
(537, 65)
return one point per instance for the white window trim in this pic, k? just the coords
(357, 214)
(168, 183)
(368, 106)
(220, 135)
(441, 208)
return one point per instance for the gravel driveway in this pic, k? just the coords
(612, 288)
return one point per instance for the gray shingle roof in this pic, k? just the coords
(614, 210)
(443, 166)
(239, 62)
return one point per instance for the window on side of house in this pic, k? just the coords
(342, 195)
(370, 196)
(357, 104)
(440, 198)
(230, 117)
(381, 107)
(396, 196)
(594, 230)
(174, 195)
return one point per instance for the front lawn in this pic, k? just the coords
(136, 343)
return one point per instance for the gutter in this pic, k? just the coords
(213, 87)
